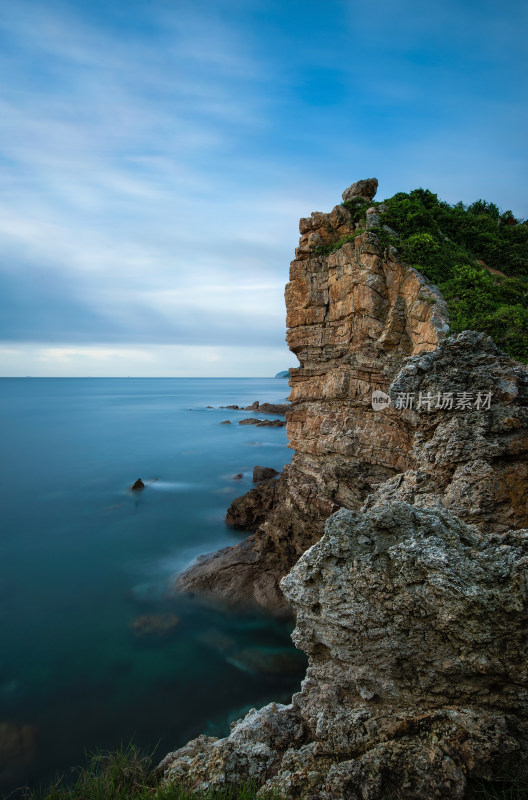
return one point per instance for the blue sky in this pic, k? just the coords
(156, 155)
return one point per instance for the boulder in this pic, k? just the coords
(137, 485)
(415, 625)
(365, 189)
(263, 474)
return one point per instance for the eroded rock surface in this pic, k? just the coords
(415, 625)
(353, 317)
(470, 440)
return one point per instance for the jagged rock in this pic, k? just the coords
(263, 474)
(366, 189)
(274, 408)
(353, 317)
(226, 422)
(137, 485)
(249, 511)
(249, 573)
(269, 408)
(415, 625)
(249, 421)
(471, 459)
(238, 476)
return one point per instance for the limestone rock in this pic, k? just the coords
(415, 625)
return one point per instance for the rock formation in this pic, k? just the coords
(415, 625)
(413, 606)
(353, 317)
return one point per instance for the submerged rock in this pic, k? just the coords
(155, 624)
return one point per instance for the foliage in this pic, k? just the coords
(447, 243)
(128, 775)
(358, 207)
(326, 249)
(478, 230)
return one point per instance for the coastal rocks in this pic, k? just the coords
(137, 485)
(263, 423)
(353, 317)
(415, 625)
(246, 513)
(226, 422)
(264, 474)
(249, 573)
(467, 406)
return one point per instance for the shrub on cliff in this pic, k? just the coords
(451, 245)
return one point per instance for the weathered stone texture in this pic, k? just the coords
(353, 316)
(415, 625)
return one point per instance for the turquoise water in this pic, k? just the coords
(82, 557)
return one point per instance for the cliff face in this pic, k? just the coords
(413, 606)
(353, 316)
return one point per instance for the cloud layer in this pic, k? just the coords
(155, 158)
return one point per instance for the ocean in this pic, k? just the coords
(85, 562)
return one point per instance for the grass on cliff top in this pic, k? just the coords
(128, 775)
(447, 243)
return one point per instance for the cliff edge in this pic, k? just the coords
(356, 314)
(411, 457)
(353, 316)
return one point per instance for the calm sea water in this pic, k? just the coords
(82, 557)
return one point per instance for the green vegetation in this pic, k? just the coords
(511, 787)
(129, 775)
(447, 243)
(326, 249)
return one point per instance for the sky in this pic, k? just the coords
(156, 156)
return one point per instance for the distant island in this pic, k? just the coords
(284, 374)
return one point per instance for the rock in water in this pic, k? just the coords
(263, 474)
(137, 485)
(415, 626)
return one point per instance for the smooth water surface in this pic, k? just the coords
(82, 557)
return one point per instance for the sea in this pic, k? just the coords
(86, 567)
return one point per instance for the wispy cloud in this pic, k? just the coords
(155, 158)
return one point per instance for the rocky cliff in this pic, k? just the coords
(413, 605)
(353, 316)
